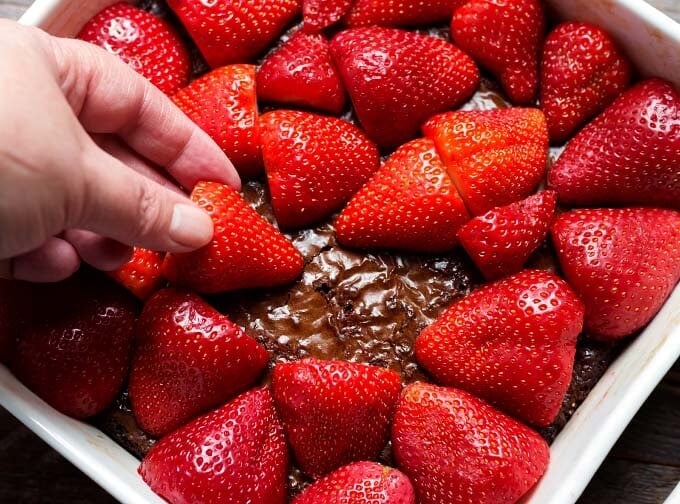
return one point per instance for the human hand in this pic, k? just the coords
(80, 136)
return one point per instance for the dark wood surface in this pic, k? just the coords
(642, 468)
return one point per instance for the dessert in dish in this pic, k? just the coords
(328, 357)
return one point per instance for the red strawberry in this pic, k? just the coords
(234, 454)
(189, 358)
(141, 275)
(360, 483)
(334, 412)
(314, 164)
(628, 154)
(223, 103)
(147, 43)
(397, 79)
(234, 32)
(505, 37)
(410, 204)
(458, 449)
(401, 12)
(495, 157)
(75, 343)
(511, 342)
(623, 262)
(320, 14)
(501, 240)
(246, 251)
(582, 71)
(302, 73)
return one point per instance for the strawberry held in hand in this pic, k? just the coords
(334, 412)
(314, 164)
(410, 204)
(623, 262)
(456, 449)
(141, 275)
(629, 154)
(235, 454)
(397, 79)
(147, 43)
(189, 358)
(401, 12)
(246, 251)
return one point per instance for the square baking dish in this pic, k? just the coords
(653, 42)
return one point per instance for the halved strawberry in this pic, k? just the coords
(410, 204)
(505, 37)
(188, 359)
(360, 483)
(237, 453)
(623, 262)
(582, 72)
(246, 251)
(234, 32)
(141, 275)
(495, 157)
(401, 12)
(511, 342)
(301, 72)
(314, 164)
(320, 14)
(334, 412)
(145, 42)
(224, 105)
(501, 240)
(629, 154)
(457, 449)
(397, 79)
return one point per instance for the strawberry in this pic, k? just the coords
(148, 44)
(611, 162)
(456, 448)
(334, 412)
(223, 103)
(360, 483)
(75, 343)
(401, 12)
(410, 204)
(141, 275)
(189, 358)
(302, 73)
(320, 14)
(314, 164)
(582, 72)
(495, 157)
(397, 79)
(623, 262)
(236, 453)
(505, 37)
(501, 240)
(234, 32)
(246, 251)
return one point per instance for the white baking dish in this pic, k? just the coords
(653, 41)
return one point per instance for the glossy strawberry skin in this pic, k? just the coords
(398, 13)
(501, 240)
(146, 43)
(320, 14)
(314, 164)
(141, 275)
(246, 251)
(410, 204)
(505, 37)
(495, 157)
(223, 103)
(334, 412)
(234, 32)
(456, 448)
(623, 262)
(360, 483)
(610, 162)
(188, 358)
(236, 453)
(582, 72)
(427, 74)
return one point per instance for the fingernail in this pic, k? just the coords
(190, 226)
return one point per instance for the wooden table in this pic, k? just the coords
(642, 468)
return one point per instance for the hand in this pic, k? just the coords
(81, 136)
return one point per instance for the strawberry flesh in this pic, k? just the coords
(141, 275)
(398, 13)
(320, 14)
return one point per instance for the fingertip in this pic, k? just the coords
(203, 159)
(54, 261)
(191, 228)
